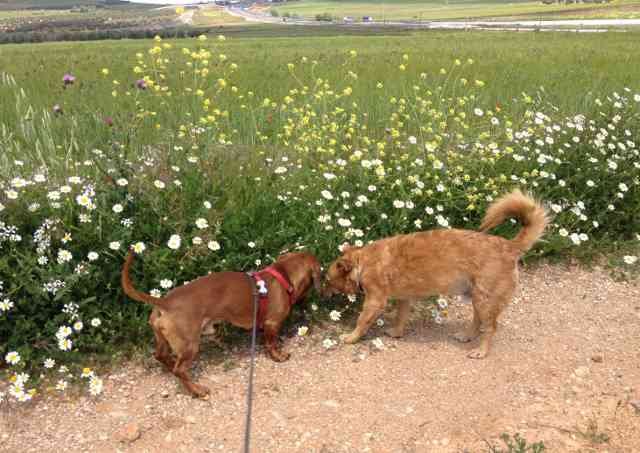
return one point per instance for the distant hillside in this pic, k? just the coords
(54, 4)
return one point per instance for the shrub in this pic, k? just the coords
(517, 444)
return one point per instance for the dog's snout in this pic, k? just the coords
(327, 290)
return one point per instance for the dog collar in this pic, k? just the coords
(281, 278)
(284, 282)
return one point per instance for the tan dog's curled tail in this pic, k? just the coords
(531, 214)
(133, 293)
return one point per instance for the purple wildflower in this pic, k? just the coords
(141, 84)
(68, 79)
(108, 121)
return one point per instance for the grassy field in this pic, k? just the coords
(455, 9)
(35, 4)
(510, 63)
(66, 18)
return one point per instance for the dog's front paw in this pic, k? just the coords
(394, 332)
(477, 354)
(280, 356)
(199, 391)
(349, 339)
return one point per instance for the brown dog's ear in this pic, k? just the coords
(316, 273)
(284, 255)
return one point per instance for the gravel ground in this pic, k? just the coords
(564, 370)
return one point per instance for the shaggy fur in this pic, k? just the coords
(179, 318)
(453, 262)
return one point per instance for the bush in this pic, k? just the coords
(324, 17)
(239, 178)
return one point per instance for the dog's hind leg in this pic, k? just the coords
(373, 307)
(472, 331)
(402, 314)
(162, 351)
(487, 307)
(185, 344)
(181, 369)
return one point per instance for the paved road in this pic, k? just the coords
(582, 25)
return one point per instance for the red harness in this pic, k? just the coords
(263, 292)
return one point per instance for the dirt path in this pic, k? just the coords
(565, 369)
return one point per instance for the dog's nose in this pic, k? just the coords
(327, 290)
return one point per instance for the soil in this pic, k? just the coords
(564, 370)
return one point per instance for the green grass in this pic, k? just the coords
(567, 65)
(451, 9)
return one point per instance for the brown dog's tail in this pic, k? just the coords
(133, 293)
(531, 214)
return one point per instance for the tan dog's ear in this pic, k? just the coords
(344, 265)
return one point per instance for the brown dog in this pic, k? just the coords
(455, 262)
(179, 317)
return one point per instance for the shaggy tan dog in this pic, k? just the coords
(453, 262)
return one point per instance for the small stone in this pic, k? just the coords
(331, 403)
(581, 371)
(129, 433)
(191, 419)
(537, 407)
(597, 358)
(636, 405)
(164, 394)
(610, 405)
